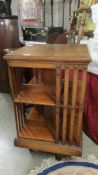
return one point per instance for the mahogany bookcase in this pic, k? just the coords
(49, 106)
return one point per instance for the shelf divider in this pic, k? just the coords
(58, 87)
(65, 110)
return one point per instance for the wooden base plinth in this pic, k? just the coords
(48, 147)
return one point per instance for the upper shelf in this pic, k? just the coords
(40, 95)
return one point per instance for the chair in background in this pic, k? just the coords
(58, 38)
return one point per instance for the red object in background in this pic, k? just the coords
(90, 118)
(71, 74)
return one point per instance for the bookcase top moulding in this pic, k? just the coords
(51, 52)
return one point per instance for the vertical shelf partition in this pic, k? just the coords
(73, 99)
(49, 107)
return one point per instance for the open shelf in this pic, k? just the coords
(35, 127)
(37, 133)
(35, 118)
(37, 94)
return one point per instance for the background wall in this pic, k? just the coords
(58, 8)
(14, 7)
(15, 11)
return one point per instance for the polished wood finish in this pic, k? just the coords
(36, 94)
(8, 39)
(48, 147)
(58, 81)
(66, 87)
(36, 132)
(51, 53)
(82, 95)
(49, 107)
(74, 102)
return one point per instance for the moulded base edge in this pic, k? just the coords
(48, 147)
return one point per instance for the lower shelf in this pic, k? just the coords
(48, 147)
(36, 132)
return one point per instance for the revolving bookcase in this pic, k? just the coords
(49, 105)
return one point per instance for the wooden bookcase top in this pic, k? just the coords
(51, 53)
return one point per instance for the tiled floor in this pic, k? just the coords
(19, 161)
